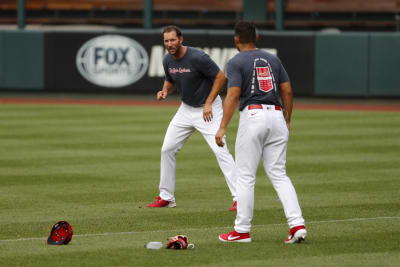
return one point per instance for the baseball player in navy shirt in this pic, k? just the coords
(256, 82)
(199, 80)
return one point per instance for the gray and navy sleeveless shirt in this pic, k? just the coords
(258, 74)
(193, 75)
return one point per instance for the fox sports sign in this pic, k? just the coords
(112, 61)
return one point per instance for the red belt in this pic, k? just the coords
(259, 106)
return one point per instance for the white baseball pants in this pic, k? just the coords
(185, 122)
(263, 133)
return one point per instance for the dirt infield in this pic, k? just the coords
(310, 104)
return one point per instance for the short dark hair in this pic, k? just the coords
(246, 31)
(171, 28)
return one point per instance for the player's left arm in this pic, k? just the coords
(219, 81)
(287, 101)
(230, 104)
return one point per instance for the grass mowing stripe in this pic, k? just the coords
(202, 229)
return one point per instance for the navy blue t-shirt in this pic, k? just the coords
(258, 74)
(193, 75)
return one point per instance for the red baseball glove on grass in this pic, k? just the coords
(178, 242)
(60, 234)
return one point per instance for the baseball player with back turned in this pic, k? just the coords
(256, 81)
(199, 80)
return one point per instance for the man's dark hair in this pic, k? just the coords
(246, 31)
(171, 28)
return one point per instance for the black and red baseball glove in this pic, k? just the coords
(60, 234)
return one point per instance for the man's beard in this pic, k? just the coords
(177, 50)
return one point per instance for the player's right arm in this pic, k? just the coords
(232, 98)
(231, 102)
(168, 88)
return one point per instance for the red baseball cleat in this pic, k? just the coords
(234, 206)
(235, 237)
(296, 235)
(160, 203)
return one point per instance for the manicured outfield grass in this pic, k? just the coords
(98, 166)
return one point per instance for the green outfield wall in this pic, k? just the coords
(22, 60)
(384, 64)
(2, 60)
(341, 64)
(319, 64)
(357, 64)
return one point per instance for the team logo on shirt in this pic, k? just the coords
(176, 70)
(264, 79)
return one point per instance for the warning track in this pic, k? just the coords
(131, 102)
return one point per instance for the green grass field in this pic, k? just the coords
(98, 166)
